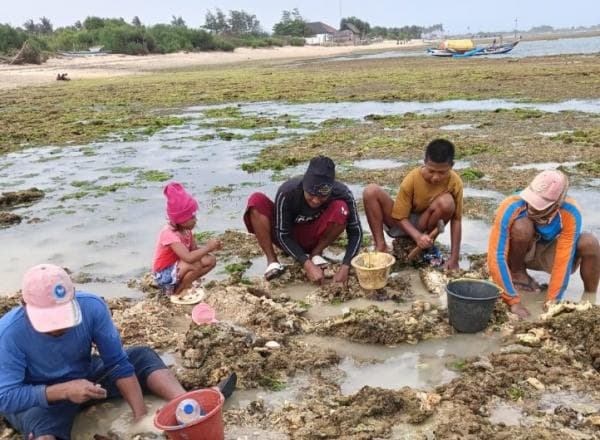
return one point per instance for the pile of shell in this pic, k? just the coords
(211, 352)
(376, 326)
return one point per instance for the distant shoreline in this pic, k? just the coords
(116, 65)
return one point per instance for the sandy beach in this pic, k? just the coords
(84, 67)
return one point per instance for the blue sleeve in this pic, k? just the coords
(106, 337)
(15, 395)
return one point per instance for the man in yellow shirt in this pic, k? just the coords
(428, 194)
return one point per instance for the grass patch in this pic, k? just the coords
(278, 164)
(457, 365)
(515, 393)
(579, 137)
(338, 122)
(222, 189)
(471, 174)
(222, 112)
(522, 113)
(272, 383)
(264, 136)
(203, 236)
(475, 149)
(154, 176)
(123, 170)
(228, 136)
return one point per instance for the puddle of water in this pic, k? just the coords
(291, 392)
(578, 401)
(505, 413)
(455, 127)
(115, 416)
(461, 164)
(554, 133)
(377, 164)
(545, 166)
(320, 312)
(469, 191)
(422, 366)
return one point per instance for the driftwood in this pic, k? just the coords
(27, 54)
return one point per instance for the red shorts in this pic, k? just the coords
(307, 235)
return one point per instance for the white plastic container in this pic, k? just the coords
(188, 411)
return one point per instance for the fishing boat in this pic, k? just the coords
(454, 51)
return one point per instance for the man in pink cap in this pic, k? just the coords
(540, 229)
(47, 370)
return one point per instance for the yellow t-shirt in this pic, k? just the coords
(415, 194)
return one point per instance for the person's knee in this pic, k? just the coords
(444, 204)
(372, 193)
(141, 354)
(522, 230)
(587, 245)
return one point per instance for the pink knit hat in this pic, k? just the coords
(49, 297)
(181, 206)
(546, 189)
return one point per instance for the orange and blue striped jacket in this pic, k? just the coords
(565, 228)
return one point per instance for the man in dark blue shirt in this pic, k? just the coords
(47, 370)
(308, 214)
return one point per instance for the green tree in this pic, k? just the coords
(216, 22)
(93, 23)
(178, 21)
(45, 26)
(363, 26)
(241, 22)
(136, 21)
(10, 38)
(291, 24)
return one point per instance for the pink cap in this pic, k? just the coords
(181, 206)
(545, 189)
(49, 297)
(202, 313)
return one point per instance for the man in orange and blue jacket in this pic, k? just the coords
(540, 229)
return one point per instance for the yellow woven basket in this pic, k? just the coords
(373, 269)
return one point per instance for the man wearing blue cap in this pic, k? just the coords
(308, 214)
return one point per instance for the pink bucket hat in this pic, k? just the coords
(181, 206)
(545, 189)
(49, 296)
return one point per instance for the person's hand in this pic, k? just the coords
(520, 310)
(82, 390)
(214, 244)
(451, 264)
(547, 304)
(313, 272)
(424, 241)
(341, 276)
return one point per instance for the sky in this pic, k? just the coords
(457, 16)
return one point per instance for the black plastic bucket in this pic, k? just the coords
(470, 304)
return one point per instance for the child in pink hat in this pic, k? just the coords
(178, 261)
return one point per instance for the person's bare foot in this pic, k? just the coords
(520, 310)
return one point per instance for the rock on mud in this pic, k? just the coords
(370, 413)
(579, 329)
(8, 302)
(8, 218)
(376, 326)
(211, 352)
(16, 198)
(246, 306)
(148, 322)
